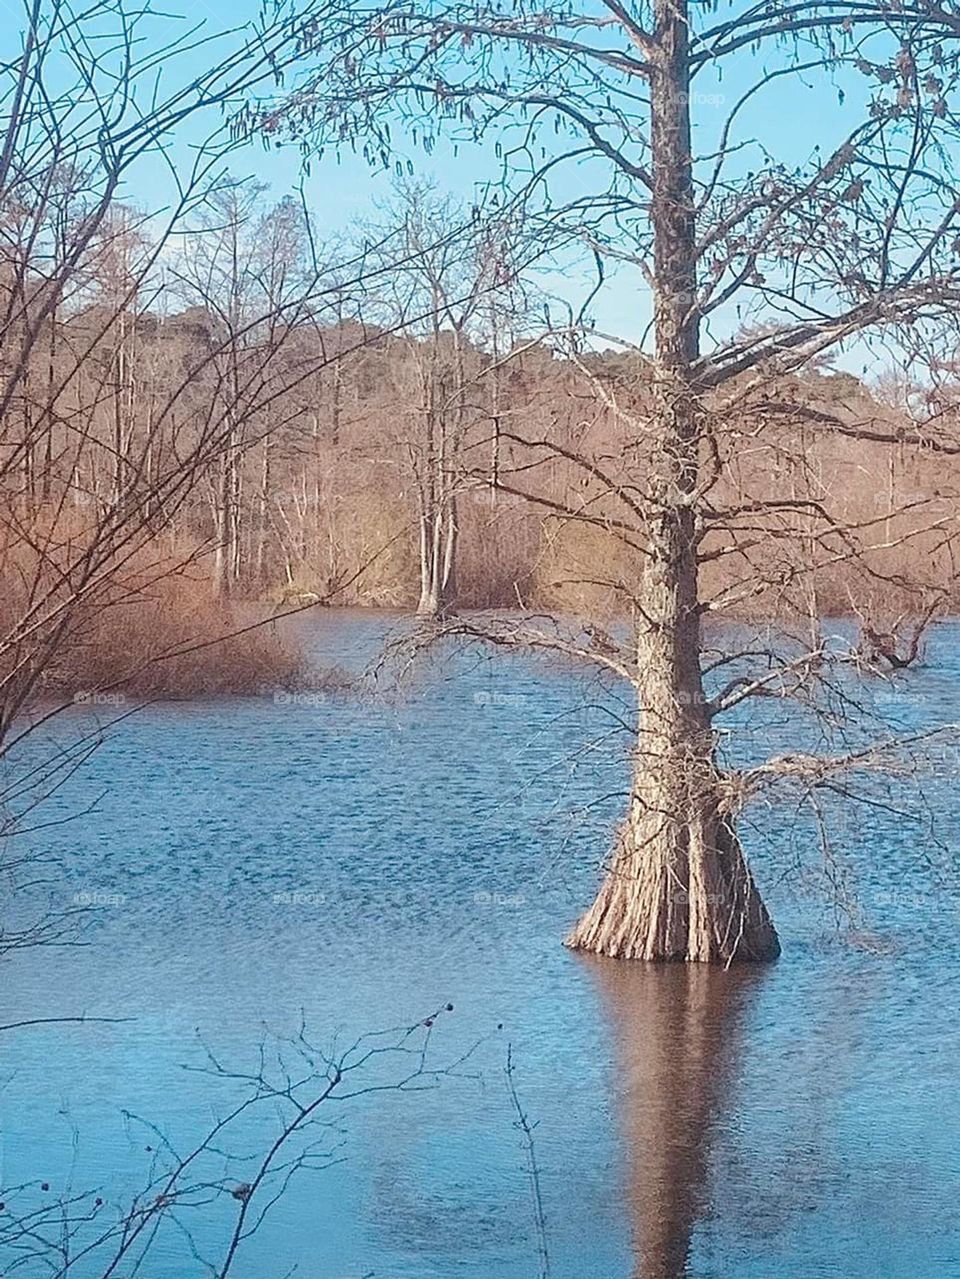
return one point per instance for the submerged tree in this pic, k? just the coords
(828, 249)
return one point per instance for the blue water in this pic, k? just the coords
(265, 869)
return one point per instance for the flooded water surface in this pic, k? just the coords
(270, 879)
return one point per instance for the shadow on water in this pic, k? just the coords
(678, 1036)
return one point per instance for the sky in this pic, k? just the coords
(343, 193)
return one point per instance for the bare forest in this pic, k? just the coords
(399, 453)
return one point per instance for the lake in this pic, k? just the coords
(276, 872)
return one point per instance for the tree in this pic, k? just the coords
(92, 473)
(221, 272)
(210, 1199)
(829, 251)
(443, 276)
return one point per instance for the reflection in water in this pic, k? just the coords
(677, 1031)
(286, 860)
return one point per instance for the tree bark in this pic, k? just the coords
(227, 521)
(678, 886)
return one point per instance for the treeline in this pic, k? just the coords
(396, 433)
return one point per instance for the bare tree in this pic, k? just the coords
(281, 1125)
(850, 245)
(229, 271)
(450, 266)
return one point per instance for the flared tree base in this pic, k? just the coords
(678, 891)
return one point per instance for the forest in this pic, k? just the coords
(428, 444)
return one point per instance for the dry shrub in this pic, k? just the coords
(174, 639)
(579, 569)
(366, 551)
(384, 554)
(497, 551)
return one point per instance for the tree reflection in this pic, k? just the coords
(677, 1029)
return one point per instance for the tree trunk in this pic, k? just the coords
(51, 405)
(223, 524)
(236, 521)
(678, 886)
(438, 541)
(120, 371)
(438, 513)
(263, 517)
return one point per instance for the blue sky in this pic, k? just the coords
(343, 192)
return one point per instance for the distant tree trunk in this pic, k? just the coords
(219, 500)
(120, 406)
(236, 519)
(678, 887)
(29, 461)
(495, 406)
(226, 563)
(51, 404)
(336, 404)
(263, 518)
(429, 603)
(438, 547)
(438, 514)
